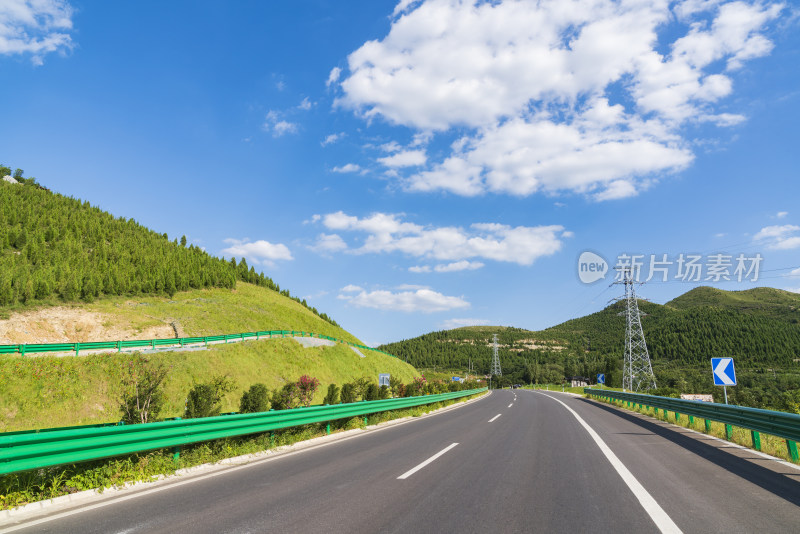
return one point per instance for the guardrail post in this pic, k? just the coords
(328, 429)
(708, 426)
(756, 437)
(77, 349)
(119, 346)
(728, 432)
(272, 439)
(677, 417)
(791, 446)
(365, 420)
(691, 420)
(153, 344)
(22, 349)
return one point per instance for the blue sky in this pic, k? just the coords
(413, 166)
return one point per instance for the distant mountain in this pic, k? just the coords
(759, 327)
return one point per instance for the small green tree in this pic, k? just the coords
(394, 385)
(348, 393)
(205, 400)
(332, 397)
(255, 400)
(142, 396)
(383, 392)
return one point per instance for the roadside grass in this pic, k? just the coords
(18, 489)
(772, 445)
(208, 312)
(48, 391)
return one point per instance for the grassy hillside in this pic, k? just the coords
(759, 327)
(48, 391)
(43, 391)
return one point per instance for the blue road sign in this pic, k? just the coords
(724, 373)
(383, 379)
(457, 379)
(601, 379)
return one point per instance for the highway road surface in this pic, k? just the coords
(514, 461)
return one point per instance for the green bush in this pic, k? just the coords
(332, 397)
(285, 398)
(372, 392)
(255, 400)
(384, 392)
(205, 400)
(348, 393)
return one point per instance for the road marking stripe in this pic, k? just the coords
(495, 417)
(653, 509)
(510, 405)
(426, 462)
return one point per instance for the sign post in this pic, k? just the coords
(724, 374)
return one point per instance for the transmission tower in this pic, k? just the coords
(637, 374)
(495, 358)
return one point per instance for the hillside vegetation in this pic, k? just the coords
(759, 327)
(58, 249)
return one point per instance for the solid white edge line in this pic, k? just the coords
(11, 527)
(495, 417)
(663, 521)
(426, 462)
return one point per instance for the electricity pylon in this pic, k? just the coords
(637, 375)
(495, 358)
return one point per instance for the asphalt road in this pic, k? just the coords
(548, 463)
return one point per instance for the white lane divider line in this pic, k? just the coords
(657, 514)
(510, 405)
(495, 417)
(426, 462)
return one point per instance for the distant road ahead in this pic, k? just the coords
(518, 461)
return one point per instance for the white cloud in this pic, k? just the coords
(793, 289)
(459, 323)
(329, 243)
(350, 288)
(456, 266)
(35, 28)
(306, 104)
(333, 77)
(277, 125)
(411, 301)
(586, 96)
(332, 138)
(283, 127)
(350, 167)
(462, 265)
(781, 214)
(793, 273)
(779, 237)
(406, 158)
(257, 251)
(386, 233)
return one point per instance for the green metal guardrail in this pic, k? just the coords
(20, 451)
(39, 348)
(781, 424)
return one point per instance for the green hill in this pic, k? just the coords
(58, 249)
(759, 327)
